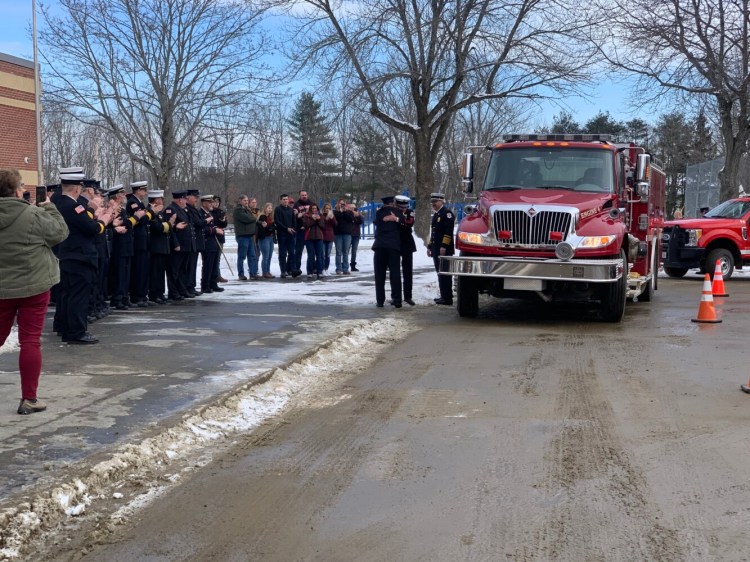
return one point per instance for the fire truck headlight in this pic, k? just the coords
(597, 241)
(694, 235)
(564, 251)
(471, 238)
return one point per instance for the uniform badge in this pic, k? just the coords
(448, 215)
(438, 220)
(79, 209)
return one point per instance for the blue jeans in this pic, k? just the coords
(266, 250)
(314, 256)
(286, 253)
(343, 242)
(327, 246)
(246, 251)
(299, 246)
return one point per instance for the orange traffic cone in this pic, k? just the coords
(706, 310)
(745, 387)
(717, 289)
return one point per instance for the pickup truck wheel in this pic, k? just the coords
(467, 292)
(726, 259)
(615, 294)
(675, 271)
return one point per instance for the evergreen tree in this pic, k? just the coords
(673, 140)
(563, 123)
(313, 142)
(638, 132)
(371, 160)
(703, 147)
(603, 123)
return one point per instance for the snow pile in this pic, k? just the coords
(306, 381)
(11, 343)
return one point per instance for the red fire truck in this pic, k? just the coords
(561, 218)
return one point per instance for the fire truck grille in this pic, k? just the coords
(546, 228)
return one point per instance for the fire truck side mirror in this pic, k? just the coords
(643, 175)
(467, 173)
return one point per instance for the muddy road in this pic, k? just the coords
(530, 433)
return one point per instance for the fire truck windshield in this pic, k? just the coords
(576, 169)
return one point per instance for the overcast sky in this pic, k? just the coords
(15, 39)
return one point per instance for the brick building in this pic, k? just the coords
(18, 117)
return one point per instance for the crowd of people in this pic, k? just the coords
(296, 227)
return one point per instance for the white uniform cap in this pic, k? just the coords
(72, 178)
(71, 170)
(138, 184)
(155, 193)
(437, 197)
(402, 200)
(207, 197)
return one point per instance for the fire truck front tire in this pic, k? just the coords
(727, 262)
(467, 293)
(651, 286)
(614, 296)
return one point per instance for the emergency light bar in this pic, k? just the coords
(596, 137)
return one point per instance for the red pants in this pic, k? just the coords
(30, 312)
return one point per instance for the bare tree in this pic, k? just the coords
(699, 50)
(443, 56)
(152, 70)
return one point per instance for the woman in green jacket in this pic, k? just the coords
(29, 269)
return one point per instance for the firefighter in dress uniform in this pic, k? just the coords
(182, 243)
(199, 223)
(387, 248)
(408, 247)
(139, 270)
(210, 253)
(220, 221)
(78, 258)
(91, 200)
(160, 230)
(122, 253)
(441, 244)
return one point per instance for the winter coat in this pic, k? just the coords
(245, 222)
(314, 227)
(27, 234)
(344, 222)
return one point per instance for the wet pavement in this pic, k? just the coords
(152, 364)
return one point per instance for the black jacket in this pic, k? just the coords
(184, 238)
(140, 228)
(160, 232)
(284, 217)
(80, 245)
(388, 233)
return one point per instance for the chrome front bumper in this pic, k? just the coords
(591, 271)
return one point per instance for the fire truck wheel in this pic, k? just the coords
(675, 271)
(467, 293)
(648, 293)
(727, 262)
(614, 296)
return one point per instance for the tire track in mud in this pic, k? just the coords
(603, 510)
(287, 475)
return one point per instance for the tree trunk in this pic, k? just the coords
(734, 149)
(730, 173)
(423, 186)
